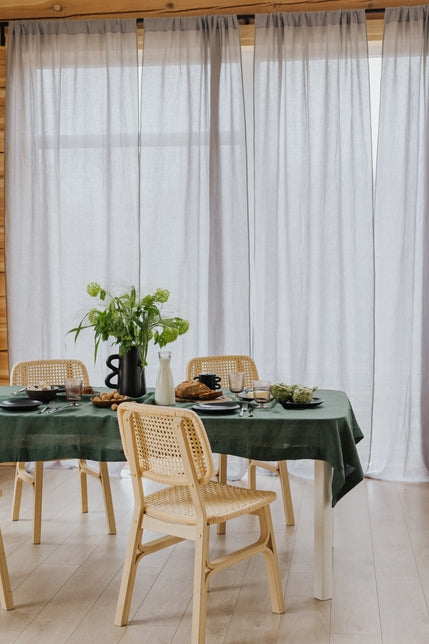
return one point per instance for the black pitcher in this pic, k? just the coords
(129, 374)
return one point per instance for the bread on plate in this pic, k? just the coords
(196, 390)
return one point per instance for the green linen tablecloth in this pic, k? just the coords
(328, 432)
(85, 432)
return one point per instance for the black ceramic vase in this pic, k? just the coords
(127, 375)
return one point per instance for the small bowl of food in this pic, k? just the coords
(111, 399)
(44, 393)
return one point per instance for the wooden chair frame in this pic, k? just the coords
(53, 372)
(222, 365)
(6, 599)
(170, 446)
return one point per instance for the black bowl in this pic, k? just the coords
(44, 395)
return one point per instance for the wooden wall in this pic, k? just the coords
(4, 371)
(75, 9)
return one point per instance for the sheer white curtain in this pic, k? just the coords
(194, 235)
(90, 198)
(313, 238)
(72, 179)
(400, 444)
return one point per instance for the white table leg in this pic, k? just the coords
(323, 530)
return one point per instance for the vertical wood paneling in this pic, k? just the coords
(4, 370)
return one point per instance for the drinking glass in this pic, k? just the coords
(261, 392)
(73, 388)
(236, 381)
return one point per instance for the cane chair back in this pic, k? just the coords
(54, 372)
(6, 598)
(50, 372)
(157, 451)
(170, 446)
(222, 366)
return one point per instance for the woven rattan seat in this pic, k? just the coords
(169, 445)
(54, 372)
(6, 599)
(222, 366)
(221, 502)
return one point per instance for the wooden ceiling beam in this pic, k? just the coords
(79, 9)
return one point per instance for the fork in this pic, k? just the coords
(18, 391)
(244, 407)
(51, 407)
(46, 409)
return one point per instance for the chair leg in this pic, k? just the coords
(221, 477)
(20, 476)
(103, 476)
(6, 599)
(107, 496)
(37, 511)
(36, 480)
(281, 469)
(286, 495)
(199, 602)
(251, 474)
(129, 572)
(271, 561)
(83, 486)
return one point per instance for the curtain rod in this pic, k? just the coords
(246, 18)
(250, 16)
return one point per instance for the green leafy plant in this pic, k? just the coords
(131, 320)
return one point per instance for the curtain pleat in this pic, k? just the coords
(314, 274)
(400, 445)
(72, 179)
(194, 237)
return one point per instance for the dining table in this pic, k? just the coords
(326, 433)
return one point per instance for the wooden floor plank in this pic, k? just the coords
(65, 589)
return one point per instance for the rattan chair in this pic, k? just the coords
(170, 446)
(222, 366)
(6, 599)
(54, 372)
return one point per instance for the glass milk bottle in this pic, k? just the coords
(164, 390)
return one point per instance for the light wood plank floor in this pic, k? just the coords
(65, 589)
